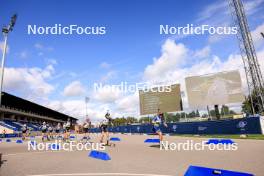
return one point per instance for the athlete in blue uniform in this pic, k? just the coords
(157, 121)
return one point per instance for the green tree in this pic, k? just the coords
(145, 119)
(212, 113)
(169, 117)
(177, 117)
(247, 104)
(231, 112)
(119, 121)
(225, 110)
(197, 113)
(192, 114)
(131, 120)
(183, 114)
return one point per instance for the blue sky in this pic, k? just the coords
(123, 54)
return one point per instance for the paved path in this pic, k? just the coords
(131, 156)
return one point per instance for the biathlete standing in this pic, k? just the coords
(58, 130)
(24, 131)
(104, 128)
(158, 121)
(44, 129)
(67, 129)
(50, 131)
(86, 128)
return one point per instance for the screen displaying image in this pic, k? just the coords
(214, 89)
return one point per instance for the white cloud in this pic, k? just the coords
(49, 70)
(29, 81)
(256, 36)
(128, 104)
(107, 94)
(42, 47)
(76, 108)
(172, 55)
(203, 53)
(105, 65)
(75, 88)
(215, 38)
(252, 7)
(218, 13)
(108, 76)
(210, 14)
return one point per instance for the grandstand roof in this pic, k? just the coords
(18, 103)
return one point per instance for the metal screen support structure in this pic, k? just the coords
(251, 65)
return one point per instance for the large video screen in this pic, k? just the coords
(166, 101)
(214, 89)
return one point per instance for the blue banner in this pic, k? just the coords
(232, 126)
(10, 135)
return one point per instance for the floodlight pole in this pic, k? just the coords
(85, 109)
(3, 66)
(86, 112)
(5, 31)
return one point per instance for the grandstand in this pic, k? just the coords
(16, 111)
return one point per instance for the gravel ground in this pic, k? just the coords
(131, 156)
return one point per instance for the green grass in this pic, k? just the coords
(232, 136)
